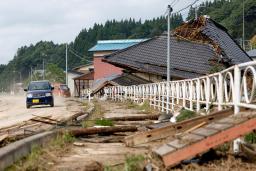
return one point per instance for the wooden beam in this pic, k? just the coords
(107, 130)
(170, 130)
(172, 156)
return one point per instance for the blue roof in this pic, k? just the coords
(111, 45)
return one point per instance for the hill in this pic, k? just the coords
(32, 56)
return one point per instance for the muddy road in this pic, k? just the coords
(13, 110)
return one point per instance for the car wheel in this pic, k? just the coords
(52, 104)
(28, 106)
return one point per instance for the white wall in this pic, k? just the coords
(71, 83)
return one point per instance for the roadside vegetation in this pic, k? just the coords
(185, 114)
(44, 158)
(131, 163)
(144, 107)
(95, 117)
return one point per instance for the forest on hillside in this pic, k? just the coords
(32, 56)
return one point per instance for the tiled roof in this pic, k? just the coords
(188, 58)
(252, 53)
(110, 45)
(124, 79)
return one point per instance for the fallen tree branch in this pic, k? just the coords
(107, 130)
(135, 118)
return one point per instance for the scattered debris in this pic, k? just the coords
(164, 130)
(103, 130)
(135, 118)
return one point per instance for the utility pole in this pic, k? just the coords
(169, 8)
(66, 64)
(43, 71)
(31, 74)
(243, 27)
(196, 10)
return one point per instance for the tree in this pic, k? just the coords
(54, 73)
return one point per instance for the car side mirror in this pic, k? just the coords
(25, 89)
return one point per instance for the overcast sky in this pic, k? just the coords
(23, 22)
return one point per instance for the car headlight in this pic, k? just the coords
(48, 94)
(29, 95)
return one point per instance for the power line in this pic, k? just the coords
(187, 6)
(81, 57)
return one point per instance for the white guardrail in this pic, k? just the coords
(232, 87)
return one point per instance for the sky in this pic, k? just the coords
(25, 22)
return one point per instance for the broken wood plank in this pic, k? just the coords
(135, 118)
(44, 121)
(171, 158)
(173, 129)
(195, 127)
(46, 118)
(106, 130)
(3, 137)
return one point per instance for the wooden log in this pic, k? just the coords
(135, 118)
(107, 130)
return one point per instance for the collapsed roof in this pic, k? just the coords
(195, 47)
(124, 79)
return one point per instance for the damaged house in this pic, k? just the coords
(198, 47)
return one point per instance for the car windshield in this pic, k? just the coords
(39, 86)
(63, 87)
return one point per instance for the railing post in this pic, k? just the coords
(159, 96)
(172, 93)
(236, 101)
(155, 96)
(191, 95)
(184, 94)
(220, 92)
(198, 87)
(162, 97)
(207, 94)
(167, 96)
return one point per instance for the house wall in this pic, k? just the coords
(71, 83)
(103, 69)
(84, 69)
(149, 77)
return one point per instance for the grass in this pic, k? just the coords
(44, 158)
(250, 138)
(132, 163)
(104, 122)
(185, 114)
(95, 116)
(144, 107)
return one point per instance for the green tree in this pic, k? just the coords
(54, 73)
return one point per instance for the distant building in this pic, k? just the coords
(252, 54)
(80, 78)
(106, 47)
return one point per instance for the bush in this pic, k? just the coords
(250, 138)
(185, 114)
(134, 163)
(104, 122)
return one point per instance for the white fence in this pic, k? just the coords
(232, 87)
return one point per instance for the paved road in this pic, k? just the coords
(13, 110)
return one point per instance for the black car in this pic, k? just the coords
(39, 93)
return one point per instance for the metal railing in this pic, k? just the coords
(232, 87)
